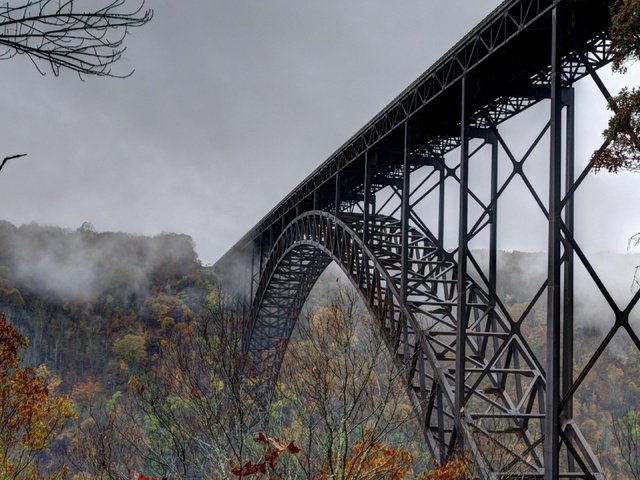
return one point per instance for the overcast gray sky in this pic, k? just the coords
(232, 104)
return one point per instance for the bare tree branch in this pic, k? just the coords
(60, 35)
(626, 433)
(6, 159)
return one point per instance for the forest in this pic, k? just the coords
(120, 358)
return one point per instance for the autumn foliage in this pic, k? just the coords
(455, 469)
(139, 476)
(622, 150)
(267, 466)
(369, 460)
(373, 460)
(30, 414)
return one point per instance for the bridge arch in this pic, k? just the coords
(504, 382)
(302, 252)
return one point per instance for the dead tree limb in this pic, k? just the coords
(6, 159)
(68, 34)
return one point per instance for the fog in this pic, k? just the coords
(79, 265)
(233, 103)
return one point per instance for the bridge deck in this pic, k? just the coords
(507, 59)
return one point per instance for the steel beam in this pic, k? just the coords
(463, 213)
(404, 228)
(554, 292)
(367, 199)
(567, 314)
(338, 198)
(441, 203)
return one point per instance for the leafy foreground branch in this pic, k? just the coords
(368, 461)
(621, 150)
(267, 466)
(31, 413)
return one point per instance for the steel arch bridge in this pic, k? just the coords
(379, 208)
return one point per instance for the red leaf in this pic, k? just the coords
(292, 448)
(270, 457)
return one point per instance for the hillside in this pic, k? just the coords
(109, 312)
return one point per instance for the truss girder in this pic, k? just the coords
(491, 54)
(504, 384)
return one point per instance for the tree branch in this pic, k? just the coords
(6, 159)
(61, 36)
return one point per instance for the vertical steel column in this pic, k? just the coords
(337, 197)
(567, 324)
(315, 199)
(270, 236)
(253, 266)
(261, 253)
(367, 199)
(366, 211)
(493, 229)
(552, 400)
(441, 437)
(461, 328)
(404, 222)
(441, 200)
(493, 236)
(372, 198)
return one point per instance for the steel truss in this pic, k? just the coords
(502, 412)
(470, 372)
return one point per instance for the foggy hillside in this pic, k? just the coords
(82, 264)
(102, 308)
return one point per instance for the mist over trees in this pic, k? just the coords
(153, 366)
(82, 264)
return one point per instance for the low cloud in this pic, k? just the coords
(79, 265)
